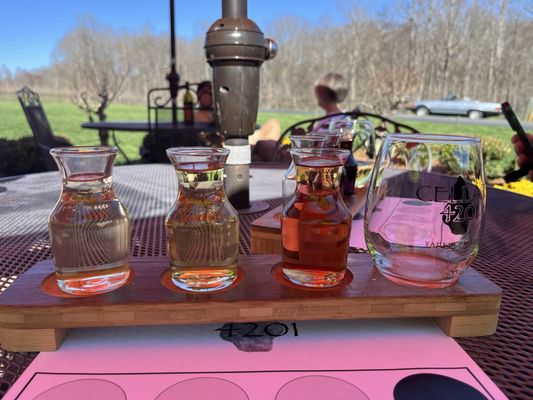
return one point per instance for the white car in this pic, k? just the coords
(451, 105)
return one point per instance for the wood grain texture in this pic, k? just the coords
(258, 297)
(469, 325)
(32, 339)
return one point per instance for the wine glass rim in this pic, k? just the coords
(196, 151)
(312, 134)
(431, 138)
(320, 150)
(84, 151)
(322, 133)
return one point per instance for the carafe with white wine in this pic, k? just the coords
(89, 226)
(202, 227)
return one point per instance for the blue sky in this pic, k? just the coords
(30, 29)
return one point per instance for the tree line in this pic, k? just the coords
(482, 49)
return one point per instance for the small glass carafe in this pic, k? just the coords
(315, 224)
(89, 227)
(202, 227)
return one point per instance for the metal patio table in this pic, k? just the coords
(149, 190)
(143, 126)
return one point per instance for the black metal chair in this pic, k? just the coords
(40, 127)
(161, 110)
(384, 125)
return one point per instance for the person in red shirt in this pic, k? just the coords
(330, 90)
(205, 103)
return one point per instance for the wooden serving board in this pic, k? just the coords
(266, 230)
(32, 320)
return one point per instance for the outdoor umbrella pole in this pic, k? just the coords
(173, 77)
(235, 48)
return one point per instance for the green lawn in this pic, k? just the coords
(499, 132)
(65, 119)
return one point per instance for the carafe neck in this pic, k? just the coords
(87, 183)
(85, 170)
(201, 184)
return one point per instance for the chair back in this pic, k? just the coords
(33, 109)
(382, 125)
(40, 127)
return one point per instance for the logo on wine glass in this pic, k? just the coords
(459, 208)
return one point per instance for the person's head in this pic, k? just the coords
(331, 89)
(205, 94)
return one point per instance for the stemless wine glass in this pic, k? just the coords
(357, 135)
(425, 208)
(364, 150)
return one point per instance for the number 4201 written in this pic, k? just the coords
(251, 329)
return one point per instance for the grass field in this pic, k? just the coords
(65, 119)
(502, 133)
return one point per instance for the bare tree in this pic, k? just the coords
(94, 60)
(418, 48)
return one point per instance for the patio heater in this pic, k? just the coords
(235, 48)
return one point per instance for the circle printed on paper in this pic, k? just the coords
(319, 387)
(435, 387)
(409, 218)
(405, 233)
(84, 389)
(204, 389)
(415, 202)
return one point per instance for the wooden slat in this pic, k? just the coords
(259, 296)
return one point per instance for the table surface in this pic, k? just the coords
(148, 191)
(142, 126)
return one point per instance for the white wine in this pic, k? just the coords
(202, 230)
(188, 106)
(90, 235)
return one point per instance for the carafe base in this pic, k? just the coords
(96, 282)
(203, 280)
(313, 278)
(416, 269)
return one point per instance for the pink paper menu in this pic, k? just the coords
(333, 360)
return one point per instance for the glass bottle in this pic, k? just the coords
(288, 182)
(350, 166)
(89, 227)
(188, 106)
(315, 224)
(202, 227)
